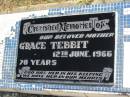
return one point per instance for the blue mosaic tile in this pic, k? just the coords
(11, 47)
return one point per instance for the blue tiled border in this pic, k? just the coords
(11, 45)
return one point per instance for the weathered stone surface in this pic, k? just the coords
(13, 9)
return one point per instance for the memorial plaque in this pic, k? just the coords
(67, 49)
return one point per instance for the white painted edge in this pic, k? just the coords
(126, 31)
(2, 46)
(126, 11)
